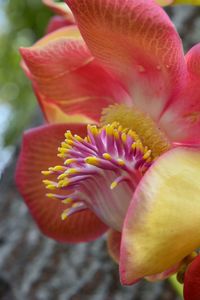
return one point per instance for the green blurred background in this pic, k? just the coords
(21, 23)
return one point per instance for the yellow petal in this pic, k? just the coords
(162, 225)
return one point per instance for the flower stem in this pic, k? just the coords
(176, 285)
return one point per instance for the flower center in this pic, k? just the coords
(148, 131)
(99, 172)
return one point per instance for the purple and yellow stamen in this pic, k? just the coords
(99, 172)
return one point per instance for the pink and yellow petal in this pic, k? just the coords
(55, 114)
(113, 243)
(136, 41)
(165, 274)
(192, 281)
(60, 9)
(181, 121)
(65, 73)
(162, 225)
(39, 151)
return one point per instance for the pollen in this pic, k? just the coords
(143, 126)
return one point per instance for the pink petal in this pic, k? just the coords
(66, 75)
(181, 121)
(138, 42)
(57, 22)
(192, 281)
(60, 9)
(162, 225)
(113, 243)
(39, 151)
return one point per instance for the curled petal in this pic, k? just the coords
(192, 281)
(181, 121)
(38, 152)
(163, 220)
(60, 9)
(66, 75)
(57, 22)
(113, 243)
(137, 41)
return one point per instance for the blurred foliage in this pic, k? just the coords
(21, 23)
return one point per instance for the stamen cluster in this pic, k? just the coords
(111, 153)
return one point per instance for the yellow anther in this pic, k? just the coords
(64, 145)
(92, 160)
(75, 205)
(64, 214)
(62, 176)
(94, 129)
(46, 181)
(50, 187)
(120, 162)
(124, 137)
(113, 185)
(116, 134)
(71, 171)
(46, 173)
(57, 168)
(107, 156)
(61, 155)
(147, 154)
(67, 201)
(63, 150)
(139, 145)
(133, 146)
(69, 161)
(109, 129)
(68, 135)
(78, 138)
(49, 195)
(69, 142)
(63, 183)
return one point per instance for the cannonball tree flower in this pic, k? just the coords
(130, 161)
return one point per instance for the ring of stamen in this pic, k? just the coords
(108, 158)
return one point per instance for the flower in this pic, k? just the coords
(135, 168)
